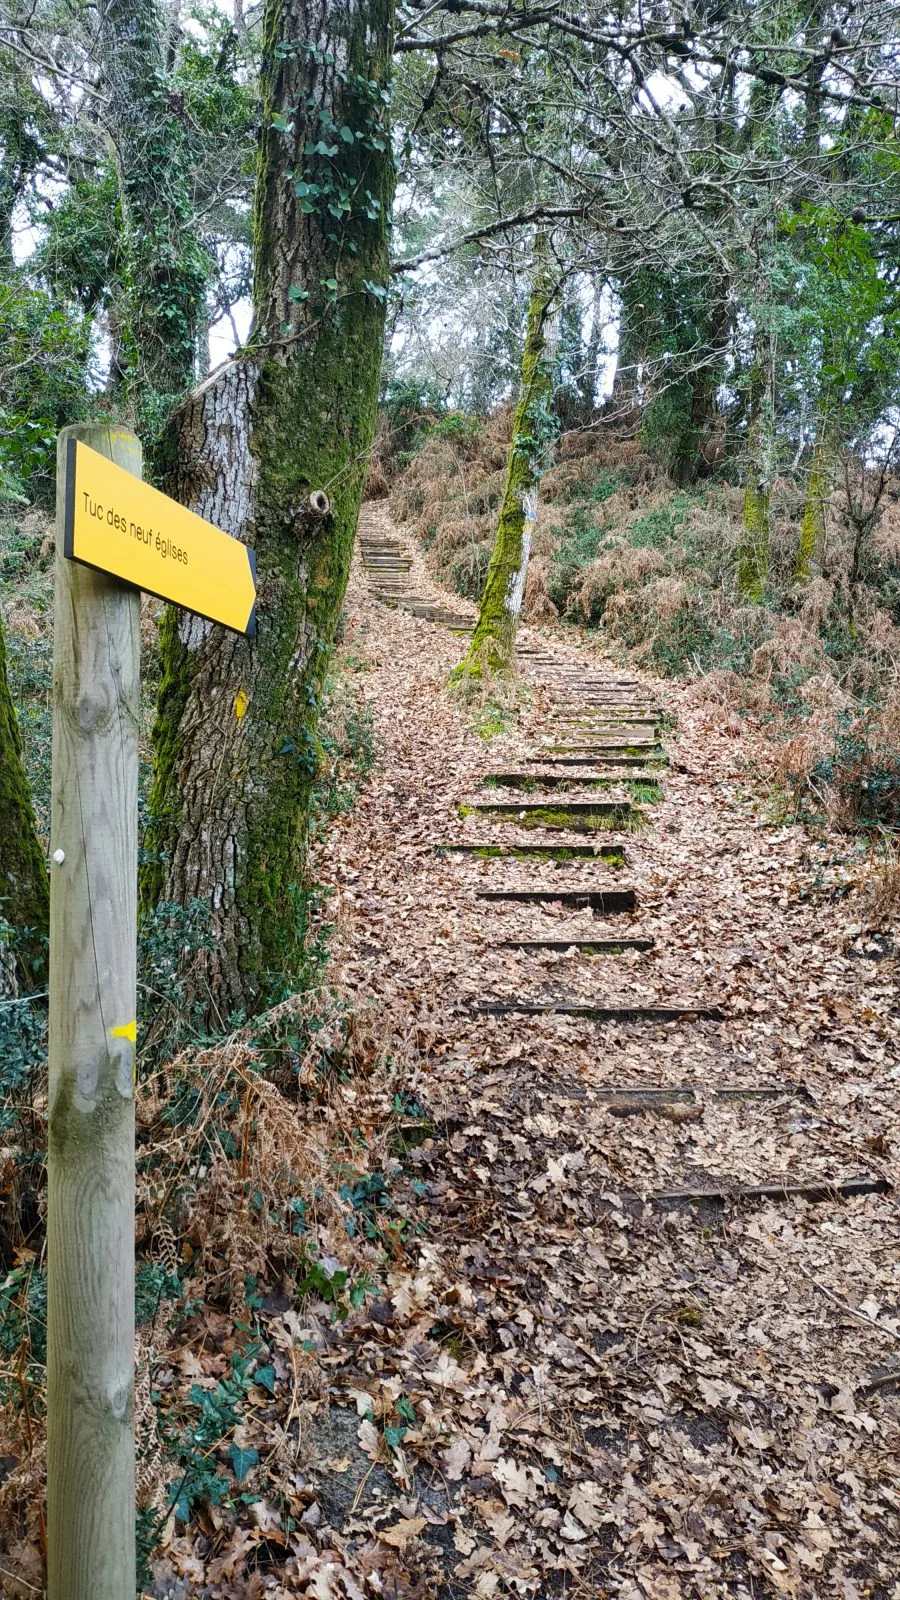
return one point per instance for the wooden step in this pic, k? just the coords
(619, 746)
(586, 947)
(559, 780)
(596, 724)
(812, 1189)
(597, 1013)
(429, 613)
(600, 757)
(605, 901)
(604, 855)
(650, 1094)
(604, 686)
(577, 815)
(585, 717)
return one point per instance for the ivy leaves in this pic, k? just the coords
(328, 181)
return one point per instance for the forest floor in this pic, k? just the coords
(642, 1333)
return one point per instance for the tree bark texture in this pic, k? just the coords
(165, 267)
(494, 640)
(24, 886)
(274, 450)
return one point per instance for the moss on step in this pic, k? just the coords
(494, 852)
(624, 817)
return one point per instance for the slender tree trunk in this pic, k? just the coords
(165, 266)
(814, 527)
(699, 436)
(753, 553)
(625, 380)
(590, 375)
(24, 886)
(274, 449)
(494, 640)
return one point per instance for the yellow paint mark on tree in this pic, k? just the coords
(241, 702)
(128, 1030)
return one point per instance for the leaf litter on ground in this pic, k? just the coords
(554, 1384)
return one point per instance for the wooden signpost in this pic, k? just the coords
(131, 536)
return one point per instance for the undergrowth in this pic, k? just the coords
(619, 549)
(266, 1165)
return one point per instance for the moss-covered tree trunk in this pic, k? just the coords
(494, 640)
(274, 450)
(165, 267)
(24, 886)
(814, 526)
(753, 553)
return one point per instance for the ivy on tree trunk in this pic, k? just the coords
(164, 265)
(274, 450)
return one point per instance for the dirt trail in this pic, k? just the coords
(645, 1333)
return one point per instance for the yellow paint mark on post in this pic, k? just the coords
(128, 1030)
(241, 702)
(118, 524)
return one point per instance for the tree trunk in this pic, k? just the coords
(590, 375)
(703, 436)
(625, 380)
(494, 640)
(165, 266)
(274, 450)
(814, 527)
(24, 886)
(753, 552)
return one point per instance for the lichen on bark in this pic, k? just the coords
(493, 643)
(274, 449)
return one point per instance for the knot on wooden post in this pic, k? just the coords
(318, 503)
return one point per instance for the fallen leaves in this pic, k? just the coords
(399, 1534)
(554, 1387)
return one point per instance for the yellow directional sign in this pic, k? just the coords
(122, 526)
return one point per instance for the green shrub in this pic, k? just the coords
(655, 530)
(44, 357)
(456, 425)
(863, 776)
